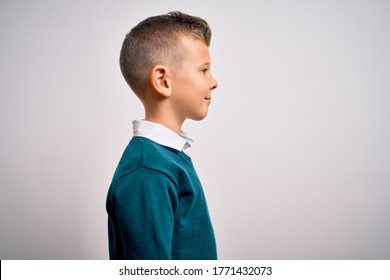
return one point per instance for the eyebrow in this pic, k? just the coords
(205, 63)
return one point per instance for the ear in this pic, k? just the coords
(160, 80)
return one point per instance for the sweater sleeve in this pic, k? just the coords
(145, 203)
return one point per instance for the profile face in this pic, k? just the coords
(192, 82)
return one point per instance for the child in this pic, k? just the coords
(156, 206)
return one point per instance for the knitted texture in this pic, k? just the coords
(156, 206)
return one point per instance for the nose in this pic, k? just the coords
(214, 84)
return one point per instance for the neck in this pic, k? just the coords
(165, 120)
(160, 111)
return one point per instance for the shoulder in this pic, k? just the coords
(143, 179)
(144, 155)
(159, 157)
(163, 159)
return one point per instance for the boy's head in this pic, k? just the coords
(169, 54)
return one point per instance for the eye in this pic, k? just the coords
(204, 70)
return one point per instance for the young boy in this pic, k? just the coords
(156, 206)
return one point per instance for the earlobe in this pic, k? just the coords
(160, 81)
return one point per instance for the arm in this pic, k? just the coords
(145, 203)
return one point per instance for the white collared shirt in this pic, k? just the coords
(162, 135)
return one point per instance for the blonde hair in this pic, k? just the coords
(156, 40)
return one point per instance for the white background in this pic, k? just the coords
(294, 155)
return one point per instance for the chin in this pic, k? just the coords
(199, 117)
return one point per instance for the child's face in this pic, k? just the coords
(192, 82)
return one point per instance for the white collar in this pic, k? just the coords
(162, 135)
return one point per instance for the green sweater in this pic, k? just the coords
(156, 206)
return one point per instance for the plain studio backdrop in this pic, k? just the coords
(294, 155)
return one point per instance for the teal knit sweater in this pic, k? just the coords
(156, 206)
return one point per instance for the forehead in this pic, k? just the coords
(196, 49)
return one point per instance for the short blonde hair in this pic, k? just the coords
(156, 40)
